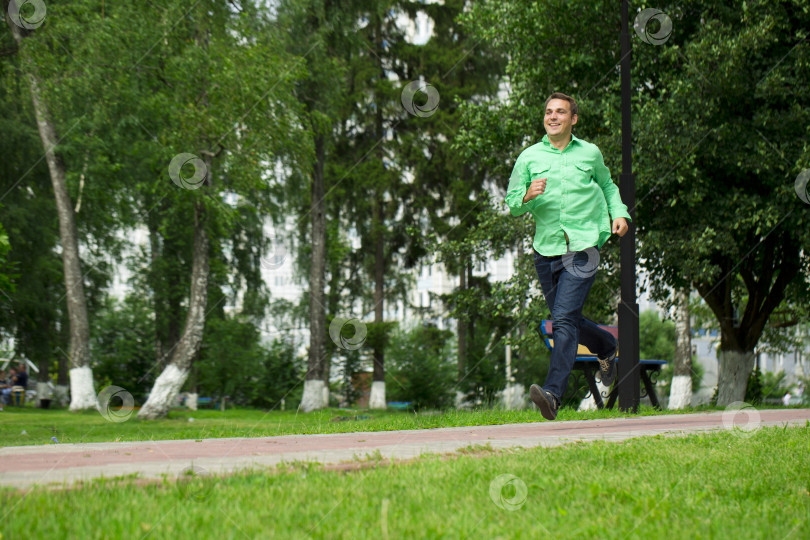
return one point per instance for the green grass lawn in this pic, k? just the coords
(27, 426)
(717, 485)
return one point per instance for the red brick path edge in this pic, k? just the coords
(65, 464)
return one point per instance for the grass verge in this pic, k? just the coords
(717, 485)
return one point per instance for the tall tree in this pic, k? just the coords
(210, 80)
(226, 53)
(82, 391)
(448, 188)
(728, 222)
(327, 25)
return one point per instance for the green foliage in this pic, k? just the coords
(122, 342)
(280, 377)
(421, 367)
(233, 363)
(656, 337)
(727, 222)
(378, 334)
(657, 342)
(6, 268)
(530, 365)
(774, 385)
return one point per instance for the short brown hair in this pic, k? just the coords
(560, 95)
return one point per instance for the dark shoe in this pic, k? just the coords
(545, 401)
(607, 369)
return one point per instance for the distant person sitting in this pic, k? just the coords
(6, 383)
(22, 377)
(3, 385)
(19, 383)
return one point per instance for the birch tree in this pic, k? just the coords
(82, 391)
(680, 394)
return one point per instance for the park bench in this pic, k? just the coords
(587, 366)
(400, 405)
(17, 396)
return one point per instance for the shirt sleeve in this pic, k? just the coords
(518, 185)
(614, 201)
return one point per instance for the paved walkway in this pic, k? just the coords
(65, 463)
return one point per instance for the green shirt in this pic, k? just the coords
(579, 198)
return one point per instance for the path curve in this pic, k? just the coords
(64, 464)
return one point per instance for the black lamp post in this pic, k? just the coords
(628, 366)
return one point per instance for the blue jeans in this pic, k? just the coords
(566, 281)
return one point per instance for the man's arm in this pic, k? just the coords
(615, 205)
(517, 188)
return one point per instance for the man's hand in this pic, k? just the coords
(537, 187)
(620, 226)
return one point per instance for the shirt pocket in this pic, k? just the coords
(537, 171)
(583, 173)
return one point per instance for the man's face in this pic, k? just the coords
(558, 119)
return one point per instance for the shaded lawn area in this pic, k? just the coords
(716, 485)
(29, 426)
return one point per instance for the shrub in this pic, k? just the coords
(420, 367)
(234, 363)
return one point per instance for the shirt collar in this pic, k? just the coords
(574, 139)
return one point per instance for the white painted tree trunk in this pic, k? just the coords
(325, 393)
(315, 395)
(732, 378)
(82, 393)
(44, 391)
(191, 401)
(680, 395)
(171, 380)
(312, 400)
(164, 392)
(588, 403)
(461, 401)
(514, 397)
(377, 398)
(62, 394)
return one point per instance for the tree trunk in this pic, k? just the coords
(377, 398)
(732, 378)
(464, 330)
(680, 393)
(461, 327)
(82, 392)
(171, 379)
(741, 326)
(314, 386)
(174, 297)
(44, 388)
(61, 391)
